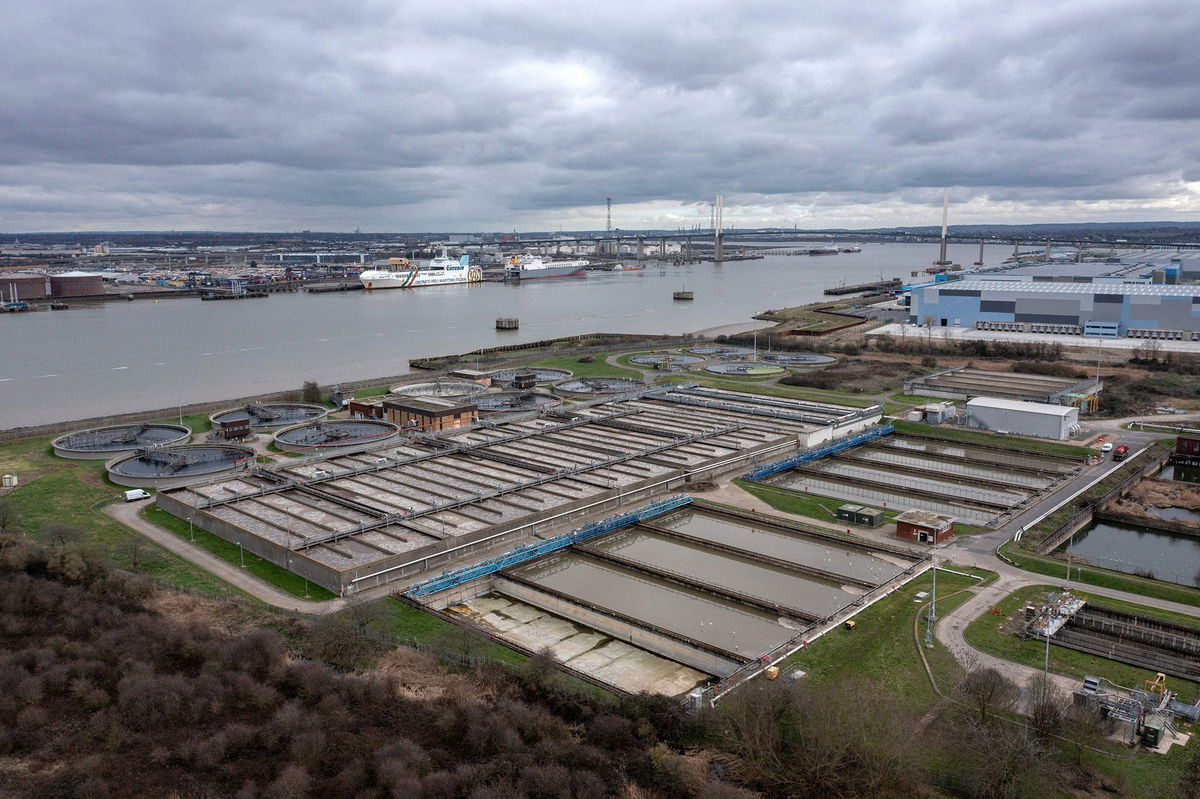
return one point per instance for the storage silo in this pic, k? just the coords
(22, 287)
(76, 284)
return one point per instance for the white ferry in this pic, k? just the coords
(398, 273)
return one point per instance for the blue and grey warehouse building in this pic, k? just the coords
(1106, 308)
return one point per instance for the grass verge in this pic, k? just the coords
(984, 634)
(263, 569)
(881, 646)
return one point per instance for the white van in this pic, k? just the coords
(135, 494)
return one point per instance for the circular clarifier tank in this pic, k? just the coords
(540, 374)
(509, 401)
(336, 435)
(270, 415)
(746, 369)
(440, 388)
(718, 350)
(599, 385)
(170, 467)
(798, 358)
(104, 442)
(666, 360)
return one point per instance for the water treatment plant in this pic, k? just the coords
(169, 467)
(360, 519)
(104, 442)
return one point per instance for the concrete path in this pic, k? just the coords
(127, 514)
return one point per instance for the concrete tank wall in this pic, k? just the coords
(678, 651)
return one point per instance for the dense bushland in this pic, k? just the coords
(104, 697)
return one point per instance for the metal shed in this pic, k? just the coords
(1022, 418)
(846, 513)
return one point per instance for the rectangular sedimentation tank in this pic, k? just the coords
(352, 521)
(707, 592)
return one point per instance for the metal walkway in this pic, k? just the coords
(767, 470)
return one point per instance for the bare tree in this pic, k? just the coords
(1084, 726)
(10, 518)
(137, 553)
(311, 392)
(1046, 705)
(989, 692)
(1149, 350)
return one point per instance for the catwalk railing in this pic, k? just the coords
(823, 451)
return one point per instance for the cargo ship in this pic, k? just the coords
(827, 249)
(398, 273)
(532, 267)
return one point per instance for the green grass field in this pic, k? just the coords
(882, 647)
(57, 490)
(983, 634)
(230, 553)
(597, 369)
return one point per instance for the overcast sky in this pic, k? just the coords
(389, 115)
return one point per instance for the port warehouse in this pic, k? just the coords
(360, 519)
(962, 383)
(1096, 307)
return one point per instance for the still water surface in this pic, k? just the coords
(127, 356)
(1129, 549)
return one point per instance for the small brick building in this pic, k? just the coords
(1187, 450)
(429, 414)
(924, 527)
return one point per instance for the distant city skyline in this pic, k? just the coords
(473, 116)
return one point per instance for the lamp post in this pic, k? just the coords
(191, 531)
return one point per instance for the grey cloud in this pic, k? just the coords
(369, 112)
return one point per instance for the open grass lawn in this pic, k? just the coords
(597, 369)
(230, 553)
(67, 491)
(882, 647)
(1149, 775)
(1008, 442)
(1092, 575)
(983, 634)
(814, 506)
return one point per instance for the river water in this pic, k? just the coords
(128, 356)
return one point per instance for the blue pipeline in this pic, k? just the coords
(769, 469)
(530, 551)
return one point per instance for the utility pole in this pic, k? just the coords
(932, 605)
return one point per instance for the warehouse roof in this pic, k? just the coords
(1017, 405)
(1054, 287)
